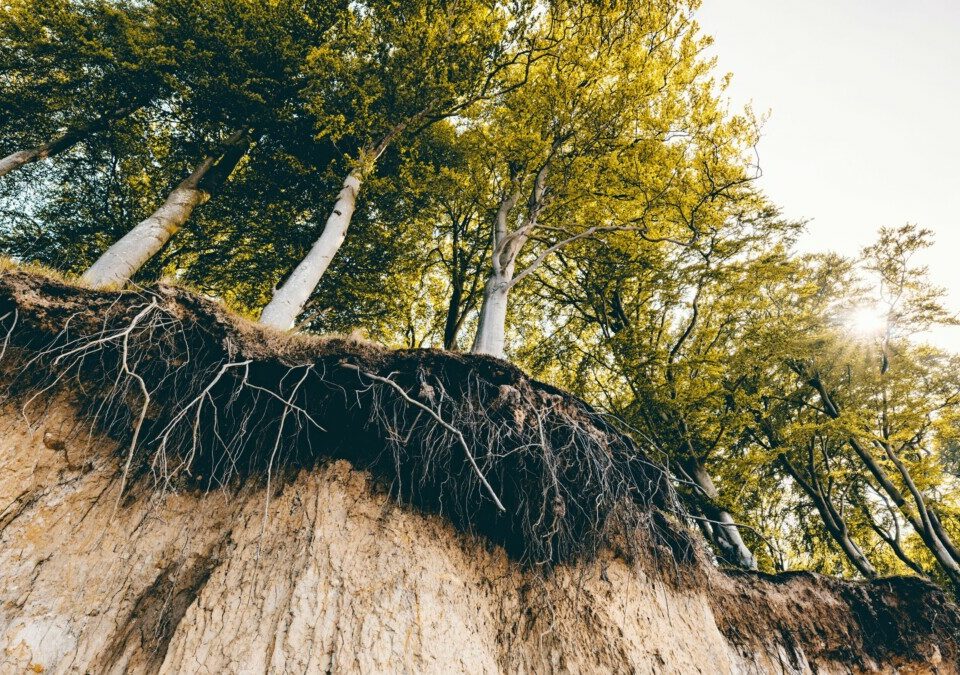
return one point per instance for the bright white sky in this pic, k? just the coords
(864, 97)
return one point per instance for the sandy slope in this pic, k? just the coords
(325, 575)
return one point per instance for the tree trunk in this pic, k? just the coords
(893, 540)
(122, 260)
(927, 517)
(921, 524)
(944, 537)
(288, 301)
(17, 159)
(491, 334)
(832, 521)
(855, 554)
(726, 533)
(452, 324)
(491, 329)
(67, 140)
(727, 536)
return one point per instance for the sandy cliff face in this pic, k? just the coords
(326, 573)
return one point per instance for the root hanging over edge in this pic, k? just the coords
(201, 399)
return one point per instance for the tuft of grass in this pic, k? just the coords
(8, 264)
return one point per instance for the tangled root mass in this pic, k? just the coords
(201, 399)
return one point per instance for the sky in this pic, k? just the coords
(864, 127)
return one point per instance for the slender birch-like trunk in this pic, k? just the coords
(832, 520)
(920, 520)
(726, 533)
(855, 554)
(491, 334)
(289, 299)
(65, 141)
(122, 260)
(492, 327)
(17, 159)
(892, 539)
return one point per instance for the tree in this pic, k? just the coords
(904, 394)
(246, 92)
(460, 229)
(650, 331)
(812, 457)
(124, 258)
(849, 409)
(70, 69)
(574, 150)
(402, 65)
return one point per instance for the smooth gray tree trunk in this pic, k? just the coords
(831, 517)
(289, 299)
(491, 334)
(122, 260)
(725, 527)
(15, 160)
(66, 140)
(132, 251)
(491, 328)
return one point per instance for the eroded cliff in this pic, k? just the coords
(136, 537)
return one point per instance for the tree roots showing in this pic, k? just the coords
(201, 399)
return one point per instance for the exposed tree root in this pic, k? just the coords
(204, 400)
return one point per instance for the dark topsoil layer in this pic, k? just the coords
(223, 401)
(905, 623)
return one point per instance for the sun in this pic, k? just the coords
(868, 320)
